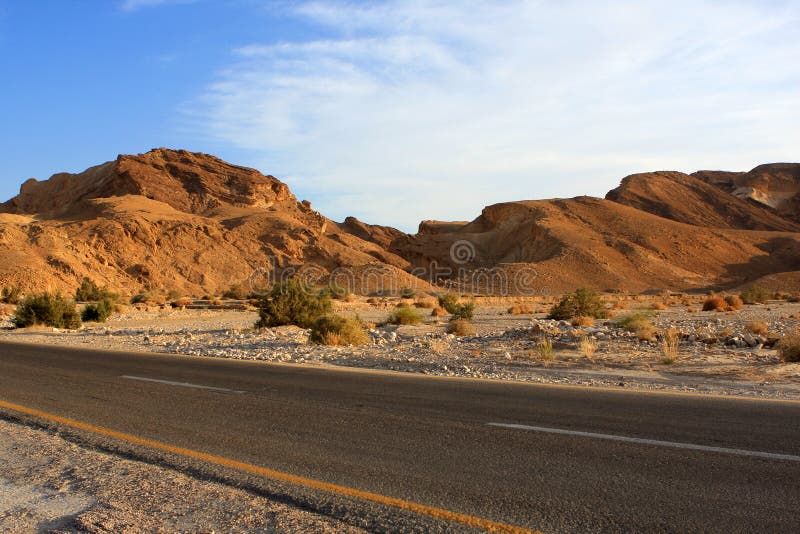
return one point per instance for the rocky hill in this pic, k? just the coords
(174, 219)
(171, 219)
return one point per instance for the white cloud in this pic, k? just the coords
(415, 109)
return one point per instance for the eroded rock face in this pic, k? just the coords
(691, 200)
(776, 185)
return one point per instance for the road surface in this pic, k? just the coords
(547, 458)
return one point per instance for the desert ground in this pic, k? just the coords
(716, 352)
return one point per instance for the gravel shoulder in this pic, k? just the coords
(50, 484)
(716, 355)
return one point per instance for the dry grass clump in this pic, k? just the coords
(460, 327)
(658, 306)
(404, 315)
(588, 347)
(734, 302)
(757, 327)
(789, 347)
(691, 310)
(639, 323)
(7, 309)
(181, 302)
(620, 305)
(715, 303)
(544, 349)
(337, 330)
(583, 320)
(438, 311)
(519, 309)
(427, 304)
(670, 341)
(438, 346)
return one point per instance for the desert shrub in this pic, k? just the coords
(448, 301)
(583, 320)
(639, 323)
(755, 295)
(404, 315)
(292, 302)
(464, 311)
(658, 306)
(669, 346)
(407, 292)
(235, 292)
(460, 327)
(425, 303)
(757, 327)
(11, 295)
(47, 309)
(588, 347)
(518, 309)
(182, 302)
(174, 294)
(337, 330)
(584, 302)
(789, 347)
(373, 301)
(90, 292)
(734, 302)
(545, 349)
(715, 303)
(98, 312)
(438, 311)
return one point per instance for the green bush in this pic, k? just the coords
(407, 292)
(337, 330)
(449, 301)
(292, 302)
(11, 295)
(90, 292)
(583, 303)
(756, 295)
(47, 309)
(98, 312)
(463, 311)
(404, 315)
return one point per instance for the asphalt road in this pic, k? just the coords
(430, 441)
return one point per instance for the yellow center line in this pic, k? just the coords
(430, 511)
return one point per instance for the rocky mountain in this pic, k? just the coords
(691, 200)
(174, 219)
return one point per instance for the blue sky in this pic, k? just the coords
(403, 110)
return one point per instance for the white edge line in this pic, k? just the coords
(659, 443)
(181, 384)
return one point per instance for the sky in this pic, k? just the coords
(403, 110)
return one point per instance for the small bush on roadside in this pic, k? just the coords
(464, 311)
(715, 303)
(519, 309)
(756, 295)
(11, 295)
(757, 327)
(181, 302)
(90, 292)
(669, 346)
(734, 302)
(460, 327)
(292, 303)
(582, 320)
(448, 301)
(98, 312)
(338, 330)
(584, 302)
(588, 347)
(789, 347)
(404, 315)
(47, 309)
(639, 323)
(545, 349)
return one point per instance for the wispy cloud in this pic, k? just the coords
(416, 109)
(134, 5)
